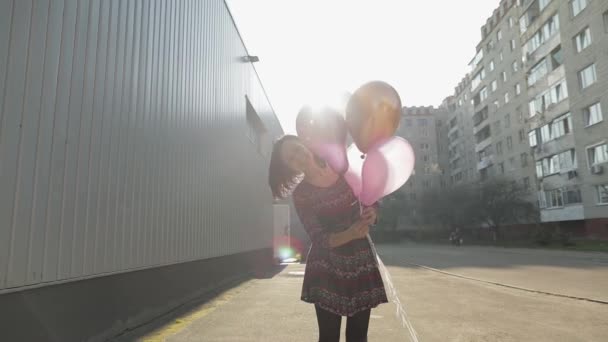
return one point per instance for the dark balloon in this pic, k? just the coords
(372, 114)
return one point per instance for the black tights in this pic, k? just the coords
(329, 326)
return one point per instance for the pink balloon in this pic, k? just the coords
(333, 153)
(355, 168)
(324, 132)
(387, 166)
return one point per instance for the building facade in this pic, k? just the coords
(426, 130)
(534, 99)
(134, 149)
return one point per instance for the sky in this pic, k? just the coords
(316, 51)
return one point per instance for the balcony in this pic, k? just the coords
(552, 147)
(481, 126)
(567, 213)
(546, 81)
(550, 113)
(480, 146)
(538, 17)
(485, 162)
(543, 50)
(453, 129)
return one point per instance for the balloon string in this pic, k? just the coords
(392, 290)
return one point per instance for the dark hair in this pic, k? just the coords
(281, 178)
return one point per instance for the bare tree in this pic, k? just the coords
(452, 207)
(503, 202)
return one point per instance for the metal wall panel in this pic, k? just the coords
(123, 138)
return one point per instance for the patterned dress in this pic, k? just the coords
(343, 280)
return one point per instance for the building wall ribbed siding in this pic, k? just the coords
(123, 138)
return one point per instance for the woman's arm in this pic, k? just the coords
(316, 232)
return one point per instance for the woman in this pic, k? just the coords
(342, 276)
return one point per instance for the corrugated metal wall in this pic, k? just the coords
(123, 138)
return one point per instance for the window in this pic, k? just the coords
(545, 133)
(496, 104)
(491, 65)
(549, 29)
(602, 193)
(524, 22)
(605, 15)
(557, 58)
(408, 122)
(483, 134)
(500, 55)
(532, 138)
(544, 101)
(522, 135)
(507, 120)
(558, 93)
(509, 143)
(543, 3)
(537, 72)
(515, 66)
(517, 89)
(256, 131)
(512, 45)
(504, 76)
(478, 78)
(511, 22)
(425, 158)
(480, 116)
(555, 198)
(559, 197)
(577, 6)
(572, 195)
(501, 168)
(561, 126)
(550, 165)
(567, 160)
(499, 148)
(593, 114)
(494, 85)
(582, 40)
(526, 183)
(422, 122)
(587, 76)
(597, 154)
(499, 35)
(483, 94)
(506, 98)
(539, 169)
(524, 159)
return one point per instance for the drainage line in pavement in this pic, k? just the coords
(508, 286)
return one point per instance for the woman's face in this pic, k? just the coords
(296, 156)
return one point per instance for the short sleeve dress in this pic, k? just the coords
(343, 280)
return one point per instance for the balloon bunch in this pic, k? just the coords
(378, 163)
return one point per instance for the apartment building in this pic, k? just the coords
(499, 101)
(426, 130)
(531, 108)
(564, 49)
(460, 143)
